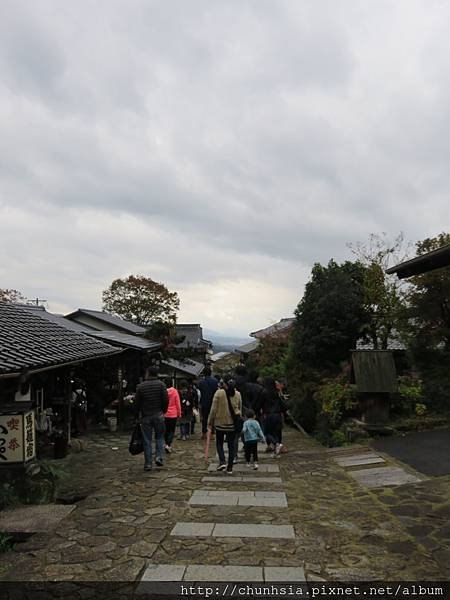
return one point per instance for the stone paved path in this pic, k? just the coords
(342, 529)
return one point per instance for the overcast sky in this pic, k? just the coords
(218, 146)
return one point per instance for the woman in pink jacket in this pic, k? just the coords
(171, 415)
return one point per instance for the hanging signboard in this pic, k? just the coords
(17, 438)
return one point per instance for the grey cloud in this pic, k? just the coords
(234, 135)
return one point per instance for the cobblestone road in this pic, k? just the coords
(342, 530)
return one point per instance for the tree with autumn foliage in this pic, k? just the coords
(141, 300)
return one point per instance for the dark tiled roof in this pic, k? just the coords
(126, 340)
(58, 319)
(190, 367)
(114, 337)
(247, 348)
(193, 336)
(28, 341)
(116, 322)
(436, 259)
(275, 328)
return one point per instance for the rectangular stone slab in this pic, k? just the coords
(34, 519)
(223, 573)
(213, 501)
(383, 476)
(266, 468)
(229, 493)
(356, 461)
(193, 529)
(257, 479)
(238, 479)
(227, 498)
(164, 573)
(244, 530)
(269, 502)
(284, 574)
(161, 580)
(232, 573)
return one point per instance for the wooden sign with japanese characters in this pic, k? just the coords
(17, 438)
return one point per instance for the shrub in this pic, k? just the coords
(420, 409)
(338, 438)
(335, 400)
(409, 392)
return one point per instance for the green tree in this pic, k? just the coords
(429, 302)
(328, 321)
(272, 355)
(141, 300)
(383, 294)
(330, 316)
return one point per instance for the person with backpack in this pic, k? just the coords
(225, 418)
(151, 402)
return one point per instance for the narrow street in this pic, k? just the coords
(300, 517)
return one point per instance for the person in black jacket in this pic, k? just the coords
(208, 386)
(272, 409)
(152, 401)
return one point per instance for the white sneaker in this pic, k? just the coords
(255, 466)
(278, 448)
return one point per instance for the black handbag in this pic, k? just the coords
(137, 441)
(238, 421)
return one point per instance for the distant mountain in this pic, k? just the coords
(223, 342)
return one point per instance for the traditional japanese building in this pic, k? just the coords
(38, 359)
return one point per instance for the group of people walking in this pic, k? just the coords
(233, 407)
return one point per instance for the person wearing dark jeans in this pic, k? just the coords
(208, 387)
(252, 434)
(273, 409)
(226, 406)
(151, 402)
(153, 424)
(171, 415)
(170, 425)
(229, 437)
(251, 451)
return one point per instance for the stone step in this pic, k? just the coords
(356, 460)
(171, 573)
(242, 479)
(383, 476)
(240, 468)
(244, 498)
(241, 530)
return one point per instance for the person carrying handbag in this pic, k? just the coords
(225, 417)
